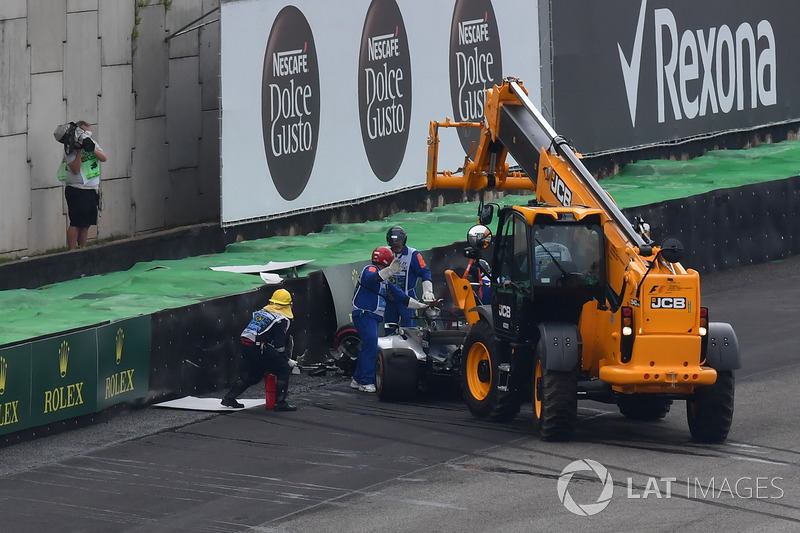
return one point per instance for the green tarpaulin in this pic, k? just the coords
(153, 286)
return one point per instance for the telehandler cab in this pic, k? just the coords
(583, 306)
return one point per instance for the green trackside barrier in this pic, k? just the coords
(157, 285)
(63, 377)
(70, 375)
(123, 361)
(75, 374)
(15, 388)
(656, 180)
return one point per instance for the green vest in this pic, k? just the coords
(90, 167)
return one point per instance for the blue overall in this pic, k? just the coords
(369, 304)
(414, 269)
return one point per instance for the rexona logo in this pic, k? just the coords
(475, 63)
(702, 71)
(290, 102)
(384, 88)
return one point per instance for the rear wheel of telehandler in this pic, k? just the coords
(643, 406)
(479, 377)
(710, 409)
(555, 400)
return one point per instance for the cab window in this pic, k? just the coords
(513, 252)
(568, 251)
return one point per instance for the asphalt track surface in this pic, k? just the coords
(347, 462)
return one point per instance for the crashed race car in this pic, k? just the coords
(421, 358)
(426, 357)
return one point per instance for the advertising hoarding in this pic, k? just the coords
(15, 388)
(63, 376)
(328, 103)
(123, 361)
(74, 374)
(634, 73)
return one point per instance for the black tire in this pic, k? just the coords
(709, 410)
(555, 400)
(396, 377)
(643, 406)
(479, 376)
(347, 342)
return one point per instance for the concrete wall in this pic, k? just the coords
(152, 102)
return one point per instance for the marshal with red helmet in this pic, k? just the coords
(373, 290)
(382, 256)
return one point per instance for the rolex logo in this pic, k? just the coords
(120, 339)
(63, 358)
(3, 374)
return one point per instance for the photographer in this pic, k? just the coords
(82, 156)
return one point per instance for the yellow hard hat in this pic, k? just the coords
(281, 297)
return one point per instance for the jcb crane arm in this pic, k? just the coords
(551, 167)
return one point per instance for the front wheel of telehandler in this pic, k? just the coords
(479, 377)
(710, 409)
(555, 400)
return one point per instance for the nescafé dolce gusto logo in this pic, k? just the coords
(475, 63)
(290, 99)
(384, 88)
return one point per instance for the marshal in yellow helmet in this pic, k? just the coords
(281, 302)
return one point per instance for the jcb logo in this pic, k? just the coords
(560, 189)
(668, 303)
(504, 311)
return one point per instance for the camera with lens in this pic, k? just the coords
(73, 137)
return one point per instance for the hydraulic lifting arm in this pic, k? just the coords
(550, 167)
